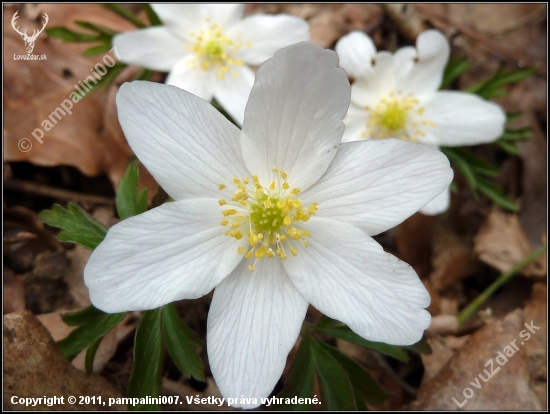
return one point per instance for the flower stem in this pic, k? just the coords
(502, 279)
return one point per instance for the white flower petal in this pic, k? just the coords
(182, 19)
(184, 142)
(154, 48)
(187, 76)
(464, 119)
(438, 205)
(376, 184)
(293, 119)
(232, 92)
(371, 88)
(225, 14)
(263, 35)
(425, 73)
(173, 252)
(347, 276)
(356, 123)
(355, 51)
(253, 322)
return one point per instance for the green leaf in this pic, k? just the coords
(477, 164)
(336, 389)
(106, 79)
(129, 200)
(521, 134)
(84, 316)
(144, 74)
(495, 193)
(365, 388)
(301, 378)
(146, 377)
(108, 33)
(76, 225)
(453, 70)
(85, 335)
(90, 355)
(420, 347)
(509, 147)
(97, 50)
(512, 116)
(69, 35)
(151, 15)
(181, 342)
(491, 87)
(346, 334)
(125, 13)
(463, 166)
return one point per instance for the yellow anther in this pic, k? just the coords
(222, 202)
(267, 203)
(295, 191)
(296, 203)
(306, 233)
(248, 254)
(294, 251)
(272, 185)
(285, 185)
(251, 267)
(240, 250)
(260, 236)
(287, 221)
(224, 222)
(253, 239)
(229, 212)
(235, 224)
(221, 186)
(260, 253)
(270, 253)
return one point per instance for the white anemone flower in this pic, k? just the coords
(272, 217)
(207, 48)
(397, 96)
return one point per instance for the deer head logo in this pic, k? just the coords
(29, 40)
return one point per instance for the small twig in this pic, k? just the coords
(44, 190)
(491, 45)
(502, 279)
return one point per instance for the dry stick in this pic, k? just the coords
(502, 279)
(44, 190)
(493, 47)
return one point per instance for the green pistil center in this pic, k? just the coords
(394, 118)
(265, 216)
(213, 49)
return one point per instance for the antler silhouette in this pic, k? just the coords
(13, 19)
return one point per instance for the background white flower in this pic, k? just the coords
(269, 240)
(207, 48)
(397, 96)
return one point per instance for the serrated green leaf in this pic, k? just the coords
(85, 335)
(146, 377)
(336, 389)
(151, 15)
(129, 200)
(125, 13)
(453, 70)
(108, 33)
(495, 193)
(301, 379)
(97, 50)
(365, 388)
(84, 316)
(69, 35)
(181, 342)
(90, 355)
(76, 225)
(346, 334)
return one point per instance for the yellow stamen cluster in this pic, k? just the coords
(270, 215)
(214, 50)
(397, 117)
